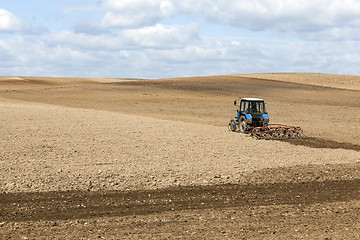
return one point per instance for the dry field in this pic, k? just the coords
(153, 159)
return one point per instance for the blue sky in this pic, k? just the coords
(169, 38)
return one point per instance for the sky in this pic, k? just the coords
(177, 38)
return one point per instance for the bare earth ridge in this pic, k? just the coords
(145, 159)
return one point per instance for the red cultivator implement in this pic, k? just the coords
(276, 131)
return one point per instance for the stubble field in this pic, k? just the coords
(136, 158)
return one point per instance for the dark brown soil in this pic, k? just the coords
(77, 204)
(322, 143)
(231, 211)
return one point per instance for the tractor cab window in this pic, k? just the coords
(256, 107)
(242, 106)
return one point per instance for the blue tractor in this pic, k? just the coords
(251, 113)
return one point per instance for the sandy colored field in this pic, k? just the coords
(94, 140)
(323, 112)
(326, 80)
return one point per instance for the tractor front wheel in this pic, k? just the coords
(232, 126)
(243, 125)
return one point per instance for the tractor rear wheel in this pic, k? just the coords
(243, 125)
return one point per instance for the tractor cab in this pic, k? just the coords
(251, 112)
(252, 106)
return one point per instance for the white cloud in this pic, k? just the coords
(162, 37)
(135, 13)
(63, 54)
(333, 34)
(304, 18)
(32, 58)
(5, 54)
(158, 36)
(8, 22)
(84, 41)
(151, 39)
(279, 15)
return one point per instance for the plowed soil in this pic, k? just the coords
(153, 159)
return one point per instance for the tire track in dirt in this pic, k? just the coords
(20, 207)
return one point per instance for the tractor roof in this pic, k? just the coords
(252, 99)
